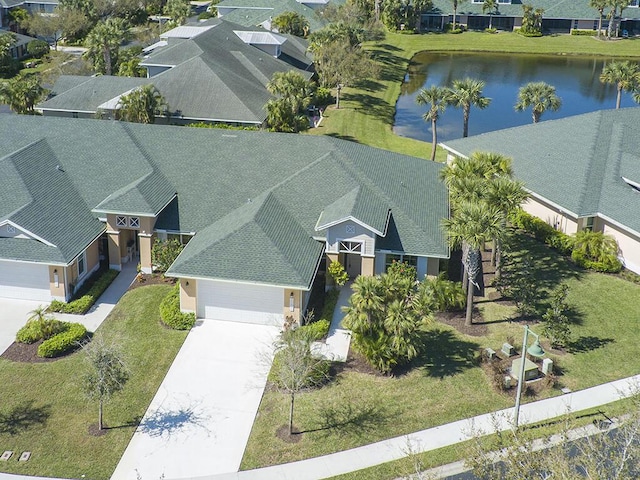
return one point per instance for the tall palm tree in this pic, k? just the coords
(490, 6)
(103, 44)
(22, 93)
(365, 304)
(624, 75)
(540, 96)
(464, 94)
(599, 5)
(455, 11)
(471, 226)
(141, 105)
(613, 14)
(507, 195)
(292, 87)
(437, 98)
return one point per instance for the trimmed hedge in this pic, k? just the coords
(542, 231)
(170, 313)
(315, 330)
(64, 341)
(38, 330)
(586, 33)
(92, 289)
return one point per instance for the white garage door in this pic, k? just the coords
(24, 281)
(240, 302)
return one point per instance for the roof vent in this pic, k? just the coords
(59, 168)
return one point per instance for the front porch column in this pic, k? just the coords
(188, 292)
(367, 268)
(57, 284)
(114, 250)
(146, 243)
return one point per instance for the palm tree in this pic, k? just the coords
(464, 94)
(365, 304)
(540, 96)
(624, 75)
(599, 5)
(490, 6)
(613, 14)
(471, 226)
(103, 44)
(291, 87)
(141, 105)
(292, 23)
(455, 11)
(437, 98)
(22, 93)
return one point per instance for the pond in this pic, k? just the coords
(576, 80)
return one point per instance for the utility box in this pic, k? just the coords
(530, 369)
(490, 353)
(508, 350)
(547, 366)
(507, 382)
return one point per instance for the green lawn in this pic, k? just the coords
(446, 384)
(44, 411)
(366, 113)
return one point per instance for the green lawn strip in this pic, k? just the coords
(44, 411)
(446, 385)
(453, 453)
(366, 113)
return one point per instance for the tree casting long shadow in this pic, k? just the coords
(587, 343)
(347, 417)
(24, 416)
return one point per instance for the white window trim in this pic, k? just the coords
(134, 222)
(121, 221)
(82, 256)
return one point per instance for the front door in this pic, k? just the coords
(353, 264)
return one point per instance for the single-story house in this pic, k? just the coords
(252, 13)
(260, 213)
(583, 172)
(558, 16)
(214, 72)
(32, 6)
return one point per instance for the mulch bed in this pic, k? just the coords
(94, 431)
(456, 320)
(26, 353)
(152, 279)
(355, 363)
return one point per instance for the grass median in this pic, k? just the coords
(44, 411)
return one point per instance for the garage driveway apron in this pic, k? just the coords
(200, 419)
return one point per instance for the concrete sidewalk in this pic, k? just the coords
(336, 346)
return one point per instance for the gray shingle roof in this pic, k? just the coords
(289, 178)
(576, 162)
(361, 204)
(247, 16)
(572, 9)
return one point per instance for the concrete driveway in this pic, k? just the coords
(13, 315)
(200, 419)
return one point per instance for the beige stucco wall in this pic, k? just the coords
(367, 268)
(188, 292)
(629, 245)
(58, 292)
(551, 215)
(146, 243)
(297, 301)
(93, 255)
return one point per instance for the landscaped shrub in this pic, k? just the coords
(207, 14)
(64, 341)
(90, 292)
(37, 48)
(170, 313)
(39, 329)
(338, 273)
(596, 251)
(164, 253)
(444, 294)
(323, 96)
(403, 269)
(542, 231)
(315, 330)
(586, 33)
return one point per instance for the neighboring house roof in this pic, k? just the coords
(214, 76)
(576, 163)
(247, 195)
(572, 9)
(251, 13)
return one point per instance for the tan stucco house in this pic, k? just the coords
(582, 172)
(260, 213)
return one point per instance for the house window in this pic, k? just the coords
(121, 221)
(82, 264)
(575, 24)
(134, 222)
(589, 224)
(351, 247)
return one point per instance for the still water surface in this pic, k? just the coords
(576, 80)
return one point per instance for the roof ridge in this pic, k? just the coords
(597, 165)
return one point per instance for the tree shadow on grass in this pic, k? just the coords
(23, 416)
(585, 344)
(348, 417)
(343, 137)
(370, 85)
(371, 105)
(444, 354)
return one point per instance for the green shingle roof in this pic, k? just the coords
(576, 162)
(248, 15)
(571, 9)
(253, 198)
(361, 204)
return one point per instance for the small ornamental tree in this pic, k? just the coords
(106, 373)
(338, 273)
(37, 48)
(556, 326)
(164, 253)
